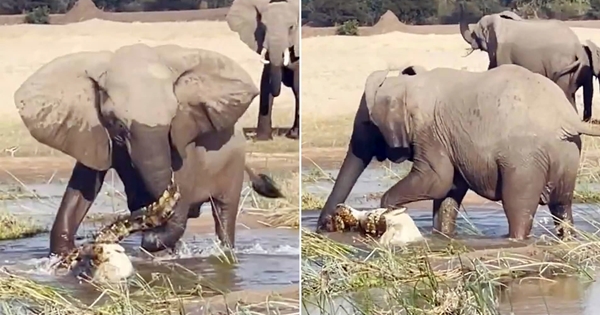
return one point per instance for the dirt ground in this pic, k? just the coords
(28, 47)
(335, 69)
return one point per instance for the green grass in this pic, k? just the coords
(13, 227)
(422, 279)
(155, 296)
(281, 212)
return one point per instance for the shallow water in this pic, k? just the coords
(268, 258)
(480, 226)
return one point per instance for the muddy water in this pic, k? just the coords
(481, 224)
(268, 258)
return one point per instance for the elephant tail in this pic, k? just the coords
(589, 129)
(263, 184)
(570, 68)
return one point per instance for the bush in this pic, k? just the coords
(39, 15)
(349, 28)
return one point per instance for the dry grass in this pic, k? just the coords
(14, 227)
(28, 41)
(422, 280)
(282, 212)
(155, 296)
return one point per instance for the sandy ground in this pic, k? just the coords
(335, 69)
(28, 47)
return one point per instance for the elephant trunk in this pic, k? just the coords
(465, 31)
(351, 169)
(278, 57)
(150, 153)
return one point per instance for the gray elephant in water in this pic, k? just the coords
(157, 115)
(506, 133)
(271, 28)
(547, 47)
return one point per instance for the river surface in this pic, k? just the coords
(480, 224)
(268, 257)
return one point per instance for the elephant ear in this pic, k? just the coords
(413, 70)
(60, 104)
(510, 15)
(295, 7)
(593, 53)
(385, 111)
(212, 90)
(244, 18)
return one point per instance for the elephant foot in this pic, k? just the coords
(263, 136)
(292, 134)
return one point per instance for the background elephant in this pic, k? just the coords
(546, 47)
(505, 133)
(271, 28)
(157, 115)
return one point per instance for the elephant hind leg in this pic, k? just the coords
(225, 207)
(521, 190)
(446, 210)
(562, 215)
(294, 132)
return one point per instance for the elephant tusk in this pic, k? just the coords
(469, 52)
(286, 57)
(263, 55)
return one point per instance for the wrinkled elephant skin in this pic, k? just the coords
(148, 130)
(558, 53)
(459, 142)
(271, 29)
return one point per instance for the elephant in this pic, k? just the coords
(271, 28)
(158, 116)
(504, 133)
(547, 47)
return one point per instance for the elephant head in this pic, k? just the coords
(268, 27)
(383, 128)
(483, 35)
(153, 101)
(389, 108)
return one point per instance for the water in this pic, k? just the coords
(481, 224)
(268, 257)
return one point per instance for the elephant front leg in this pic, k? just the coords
(422, 183)
(82, 189)
(293, 133)
(264, 129)
(445, 210)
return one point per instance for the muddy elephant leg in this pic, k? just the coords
(521, 191)
(293, 133)
(423, 182)
(562, 215)
(225, 208)
(445, 210)
(264, 130)
(588, 94)
(82, 189)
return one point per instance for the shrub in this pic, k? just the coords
(39, 15)
(348, 28)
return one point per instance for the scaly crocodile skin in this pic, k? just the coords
(146, 218)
